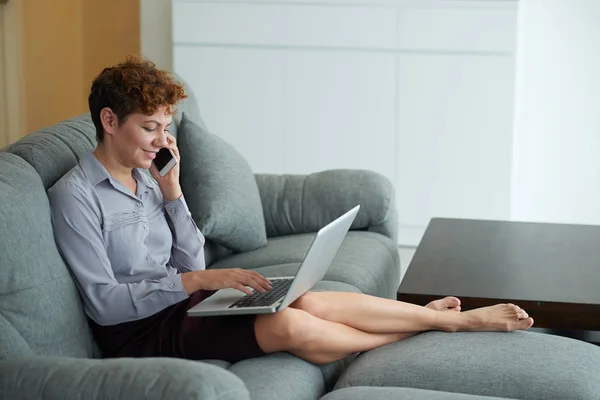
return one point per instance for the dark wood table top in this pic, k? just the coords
(551, 270)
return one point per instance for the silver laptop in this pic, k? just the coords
(286, 289)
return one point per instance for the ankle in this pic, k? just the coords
(446, 322)
(458, 322)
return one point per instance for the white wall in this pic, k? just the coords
(556, 138)
(155, 24)
(557, 112)
(420, 91)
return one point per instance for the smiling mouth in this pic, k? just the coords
(150, 154)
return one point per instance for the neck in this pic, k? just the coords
(115, 168)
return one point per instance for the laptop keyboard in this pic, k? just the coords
(258, 299)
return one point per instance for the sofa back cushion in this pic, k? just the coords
(220, 189)
(40, 308)
(54, 150)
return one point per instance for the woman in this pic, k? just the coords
(138, 260)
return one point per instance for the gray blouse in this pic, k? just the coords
(123, 251)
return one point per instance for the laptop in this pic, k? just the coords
(286, 289)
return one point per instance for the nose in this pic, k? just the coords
(161, 140)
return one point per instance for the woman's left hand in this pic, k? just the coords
(169, 184)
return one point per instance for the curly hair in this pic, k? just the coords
(133, 86)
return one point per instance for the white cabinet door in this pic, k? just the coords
(454, 139)
(297, 111)
(240, 94)
(339, 111)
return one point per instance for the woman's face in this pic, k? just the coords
(137, 140)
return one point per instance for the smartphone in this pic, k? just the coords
(164, 161)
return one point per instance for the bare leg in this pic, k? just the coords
(378, 315)
(314, 339)
(319, 340)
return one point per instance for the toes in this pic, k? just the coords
(525, 323)
(447, 303)
(451, 302)
(520, 313)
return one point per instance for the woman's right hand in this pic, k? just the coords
(215, 279)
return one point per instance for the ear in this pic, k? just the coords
(109, 120)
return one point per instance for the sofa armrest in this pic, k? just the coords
(124, 378)
(305, 203)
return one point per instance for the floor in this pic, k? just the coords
(406, 255)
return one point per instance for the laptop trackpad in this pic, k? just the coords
(222, 299)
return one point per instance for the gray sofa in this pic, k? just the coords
(47, 351)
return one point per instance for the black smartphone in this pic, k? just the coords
(164, 161)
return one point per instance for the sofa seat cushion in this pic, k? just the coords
(280, 376)
(40, 308)
(394, 393)
(520, 365)
(284, 376)
(366, 260)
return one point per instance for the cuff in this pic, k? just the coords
(175, 285)
(177, 209)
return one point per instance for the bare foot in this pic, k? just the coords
(445, 304)
(501, 318)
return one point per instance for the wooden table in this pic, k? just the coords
(550, 270)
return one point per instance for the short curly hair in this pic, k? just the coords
(133, 86)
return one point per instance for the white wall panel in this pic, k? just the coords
(457, 29)
(239, 92)
(284, 25)
(556, 170)
(454, 137)
(340, 111)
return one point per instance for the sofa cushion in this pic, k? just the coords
(305, 203)
(220, 189)
(40, 308)
(387, 393)
(280, 376)
(519, 365)
(54, 150)
(366, 260)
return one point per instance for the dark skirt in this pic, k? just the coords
(171, 333)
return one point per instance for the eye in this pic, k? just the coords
(148, 129)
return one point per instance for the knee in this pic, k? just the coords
(297, 328)
(287, 330)
(314, 304)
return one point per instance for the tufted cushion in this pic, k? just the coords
(305, 203)
(220, 189)
(40, 308)
(54, 150)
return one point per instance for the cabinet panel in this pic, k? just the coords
(339, 111)
(457, 29)
(454, 137)
(239, 92)
(284, 25)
